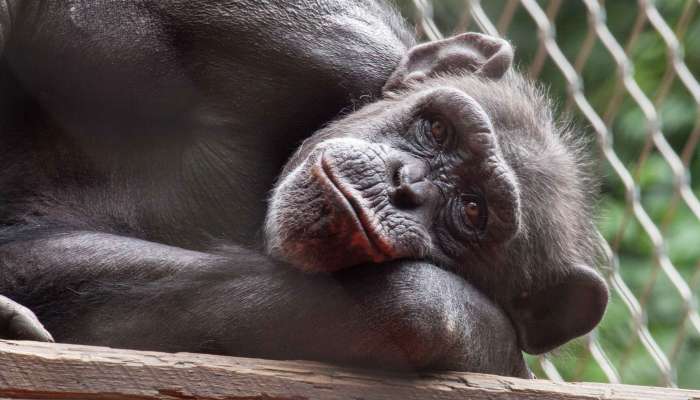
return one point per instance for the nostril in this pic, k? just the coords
(395, 177)
(403, 196)
(407, 174)
(407, 184)
(410, 195)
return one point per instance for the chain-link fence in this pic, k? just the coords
(619, 67)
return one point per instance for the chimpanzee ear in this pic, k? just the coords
(556, 314)
(480, 54)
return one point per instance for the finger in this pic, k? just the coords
(24, 325)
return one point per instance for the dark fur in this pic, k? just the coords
(140, 140)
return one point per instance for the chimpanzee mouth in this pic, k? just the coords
(378, 248)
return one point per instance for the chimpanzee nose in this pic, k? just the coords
(408, 183)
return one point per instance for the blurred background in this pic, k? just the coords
(627, 71)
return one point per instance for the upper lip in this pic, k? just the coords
(364, 224)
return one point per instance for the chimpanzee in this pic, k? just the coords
(141, 138)
(465, 168)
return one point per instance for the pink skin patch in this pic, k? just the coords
(365, 238)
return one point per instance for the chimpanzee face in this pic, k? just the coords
(415, 176)
(462, 164)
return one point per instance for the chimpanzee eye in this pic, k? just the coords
(432, 135)
(438, 130)
(475, 211)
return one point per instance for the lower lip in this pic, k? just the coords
(367, 233)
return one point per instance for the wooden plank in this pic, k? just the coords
(30, 370)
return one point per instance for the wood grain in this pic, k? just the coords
(30, 370)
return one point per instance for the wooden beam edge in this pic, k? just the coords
(30, 370)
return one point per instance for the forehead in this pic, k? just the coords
(513, 103)
(517, 109)
(522, 117)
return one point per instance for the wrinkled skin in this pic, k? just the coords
(140, 140)
(391, 191)
(460, 164)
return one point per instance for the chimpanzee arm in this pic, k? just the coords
(102, 289)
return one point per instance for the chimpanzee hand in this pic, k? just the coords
(19, 323)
